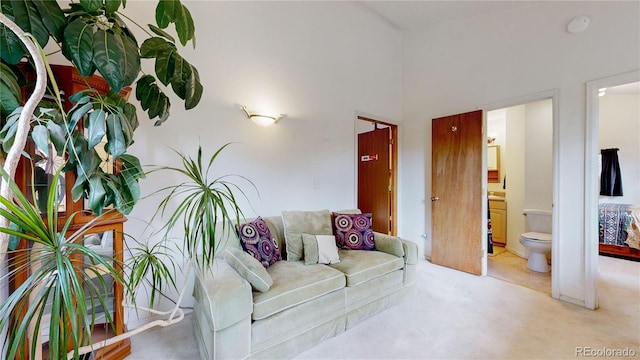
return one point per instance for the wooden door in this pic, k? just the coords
(456, 200)
(375, 177)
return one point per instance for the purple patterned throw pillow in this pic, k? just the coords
(256, 239)
(353, 231)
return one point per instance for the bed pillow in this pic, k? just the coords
(297, 223)
(256, 239)
(249, 268)
(320, 249)
(353, 231)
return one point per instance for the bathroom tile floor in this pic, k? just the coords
(505, 265)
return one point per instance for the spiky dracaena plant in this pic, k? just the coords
(61, 270)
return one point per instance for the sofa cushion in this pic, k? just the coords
(256, 239)
(297, 223)
(320, 249)
(353, 231)
(249, 268)
(295, 283)
(362, 265)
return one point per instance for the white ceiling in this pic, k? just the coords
(412, 15)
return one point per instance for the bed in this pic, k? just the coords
(619, 230)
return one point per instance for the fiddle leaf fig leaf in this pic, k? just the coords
(40, 136)
(52, 17)
(96, 128)
(78, 46)
(28, 18)
(11, 48)
(108, 57)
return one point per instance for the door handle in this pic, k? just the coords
(435, 198)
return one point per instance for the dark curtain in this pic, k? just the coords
(610, 177)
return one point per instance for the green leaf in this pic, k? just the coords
(130, 60)
(156, 30)
(91, 5)
(56, 135)
(96, 128)
(166, 11)
(165, 62)
(153, 46)
(28, 18)
(11, 48)
(116, 144)
(108, 51)
(111, 6)
(194, 91)
(78, 46)
(184, 26)
(77, 113)
(52, 17)
(8, 100)
(152, 99)
(40, 136)
(96, 193)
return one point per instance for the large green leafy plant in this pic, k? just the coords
(96, 37)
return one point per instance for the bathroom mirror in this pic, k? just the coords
(493, 163)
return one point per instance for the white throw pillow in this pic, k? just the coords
(327, 249)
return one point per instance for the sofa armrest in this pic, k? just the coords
(223, 295)
(388, 244)
(410, 252)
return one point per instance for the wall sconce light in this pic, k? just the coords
(262, 118)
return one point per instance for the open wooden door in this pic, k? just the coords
(375, 178)
(456, 200)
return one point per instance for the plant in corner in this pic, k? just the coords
(95, 36)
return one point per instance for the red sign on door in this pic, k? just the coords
(369, 157)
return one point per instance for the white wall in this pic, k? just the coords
(516, 182)
(497, 128)
(318, 62)
(619, 125)
(460, 65)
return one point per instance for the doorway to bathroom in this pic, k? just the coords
(519, 177)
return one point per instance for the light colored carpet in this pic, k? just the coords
(507, 266)
(455, 315)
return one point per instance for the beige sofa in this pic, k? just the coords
(305, 304)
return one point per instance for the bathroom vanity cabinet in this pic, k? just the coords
(498, 211)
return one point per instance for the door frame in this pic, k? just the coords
(360, 116)
(552, 94)
(591, 185)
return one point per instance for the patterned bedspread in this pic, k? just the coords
(619, 224)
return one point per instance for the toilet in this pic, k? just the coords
(538, 239)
